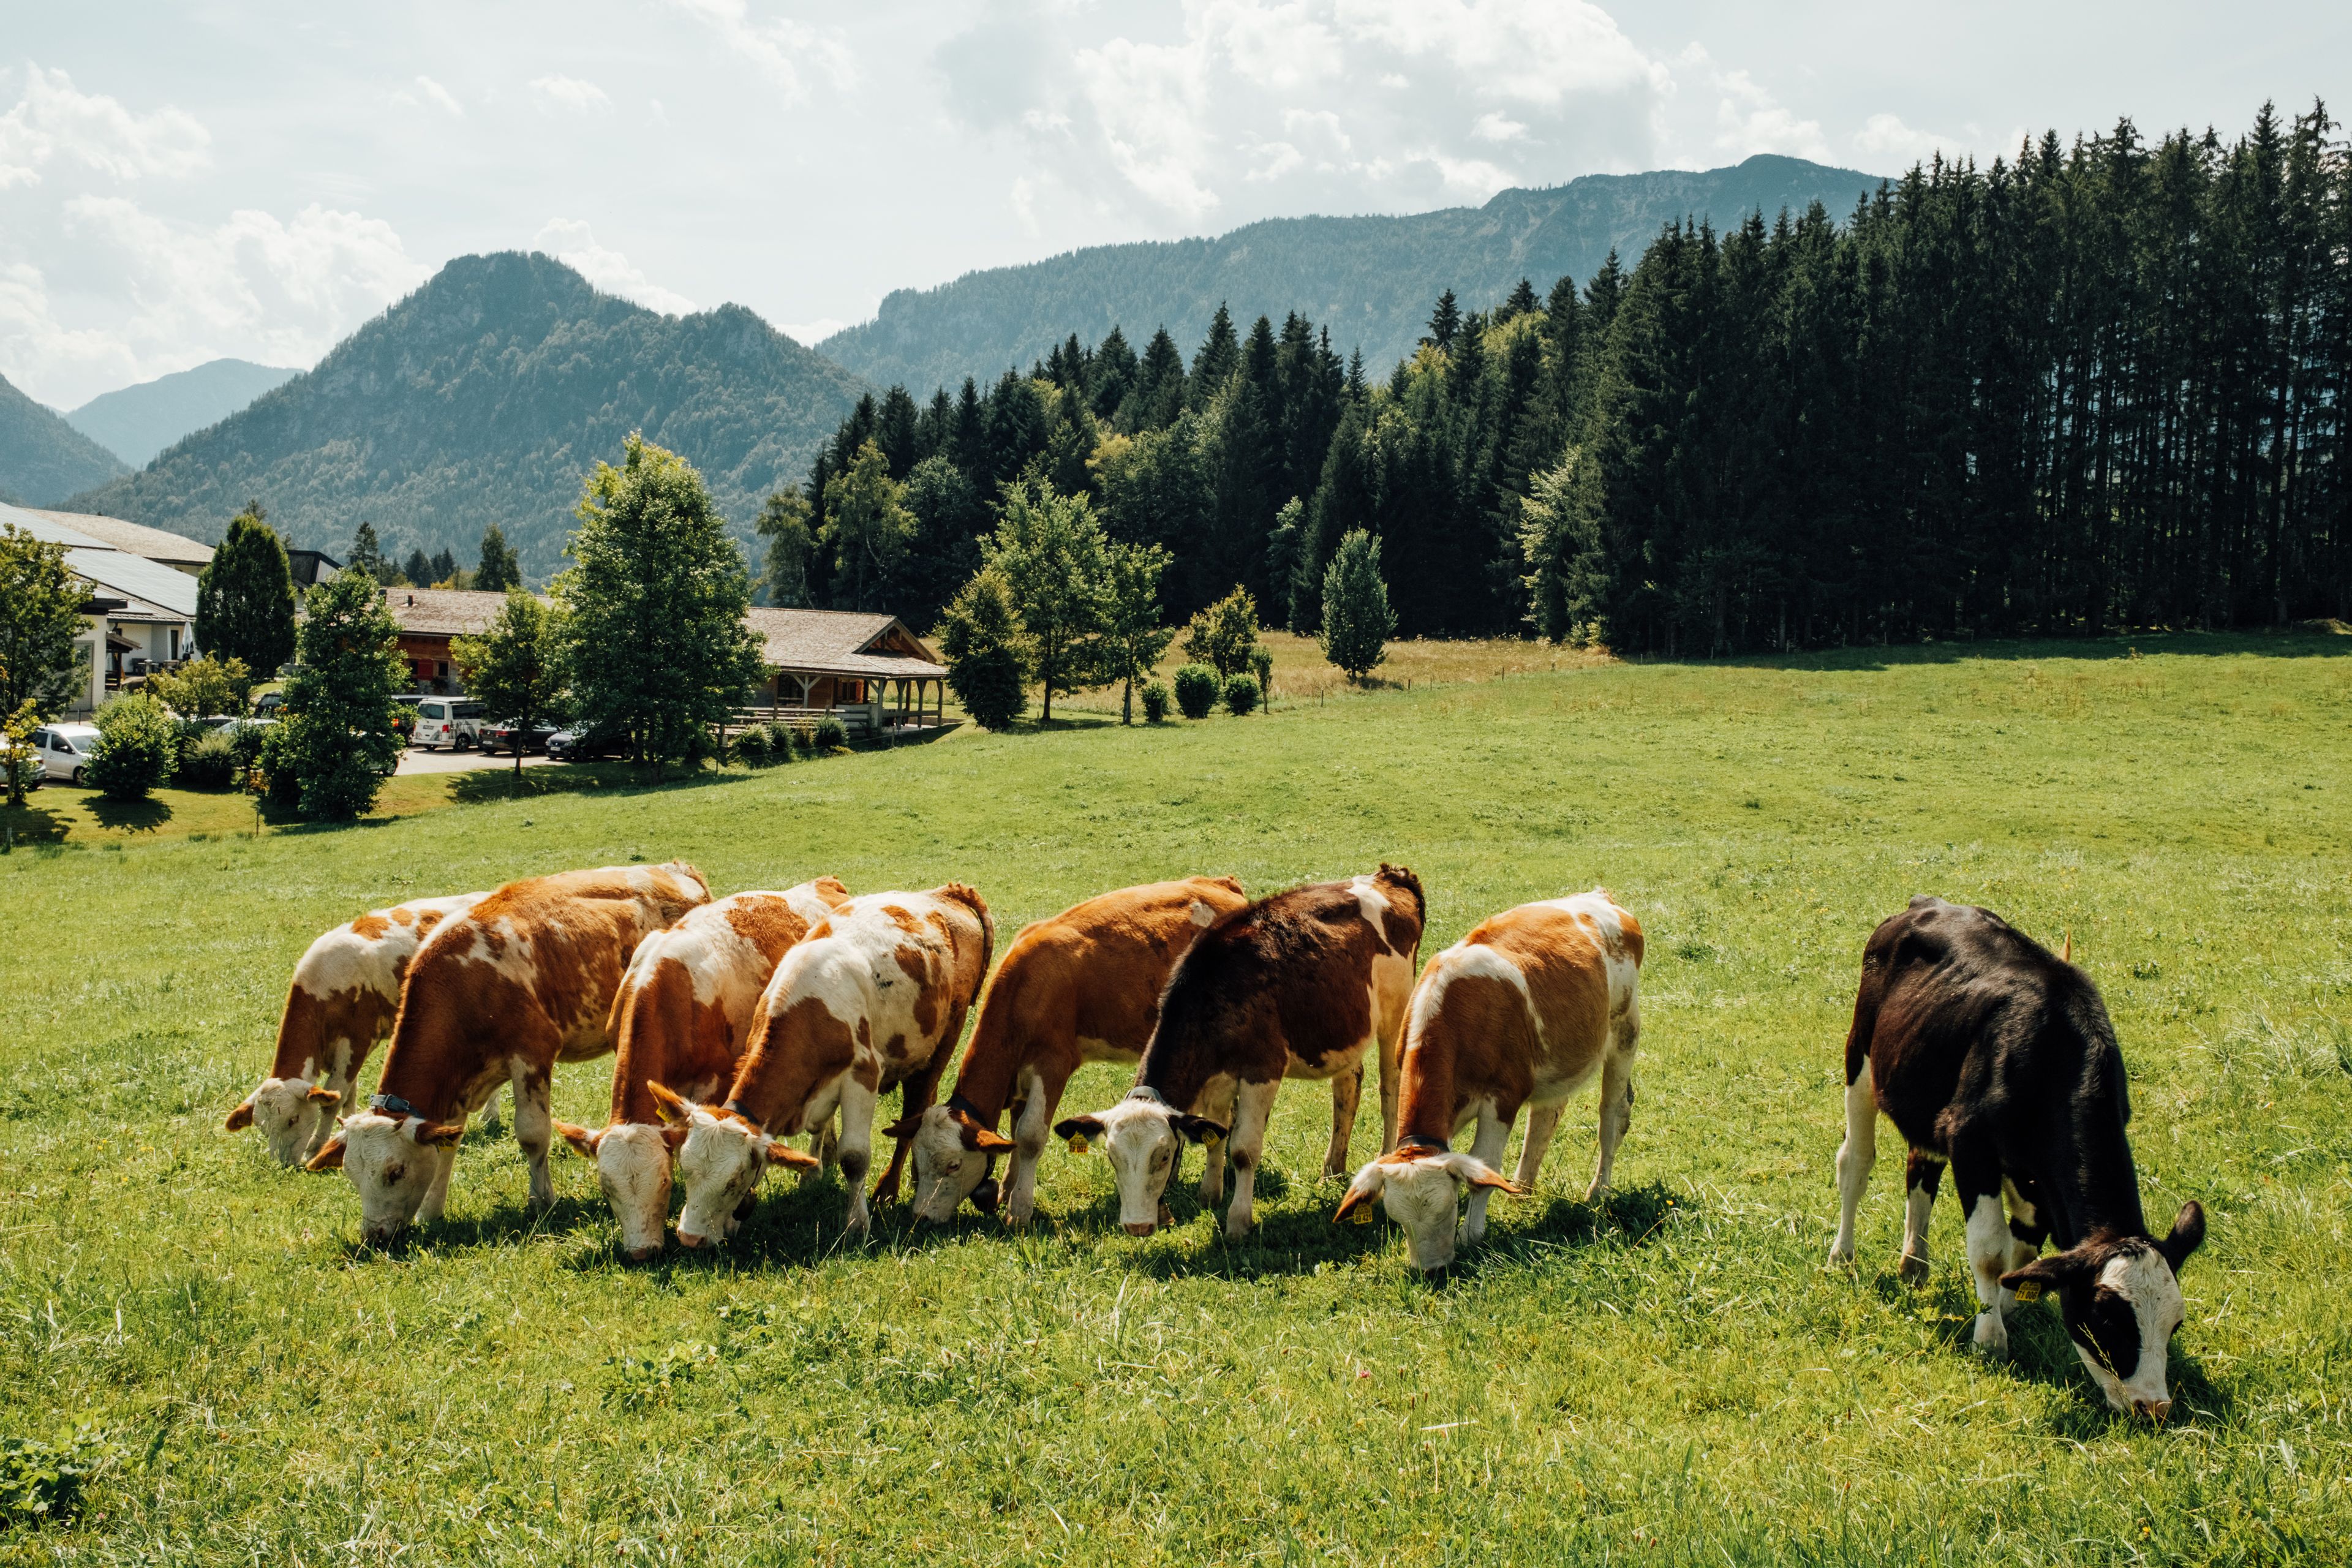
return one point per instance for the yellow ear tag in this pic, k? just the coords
(1212, 1142)
(1363, 1215)
(1078, 1145)
(2028, 1290)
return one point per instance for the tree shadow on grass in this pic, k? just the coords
(33, 825)
(147, 815)
(483, 786)
(2294, 642)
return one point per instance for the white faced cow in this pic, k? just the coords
(1083, 986)
(1993, 1055)
(500, 993)
(682, 1018)
(345, 994)
(1302, 984)
(875, 995)
(1526, 1010)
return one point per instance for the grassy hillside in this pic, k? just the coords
(1671, 1377)
(1370, 279)
(43, 457)
(135, 423)
(484, 397)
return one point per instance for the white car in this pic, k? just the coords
(448, 722)
(65, 749)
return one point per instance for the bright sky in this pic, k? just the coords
(181, 181)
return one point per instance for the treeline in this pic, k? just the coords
(2100, 386)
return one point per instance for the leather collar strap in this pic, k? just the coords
(958, 1102)
(392, 1105)
(1145, 1091)
(1419, 1146)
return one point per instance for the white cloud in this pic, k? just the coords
(570, 94)
(1495, 127)
(777, 46)
(808, 335)
(440, 95)
(54, 121)
(1885, 139)
(571, 242)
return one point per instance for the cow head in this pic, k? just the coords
(1422, 1186)
(293, 1114)
(392, 1160)
(2121, 1301)
(1142, 1135)
(722, 1159)
(953, 1152)
(633, 1166)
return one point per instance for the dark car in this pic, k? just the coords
(508, 735)
(584, 745)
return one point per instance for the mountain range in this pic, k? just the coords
(138, 422)
(1370, 279)
(42, 456)
(486, 396)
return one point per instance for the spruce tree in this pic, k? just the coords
(1220, 355)
(499, 570)
(417, 569)
(245, 596)
(1357, 621)
(1445, 322)
(367, 556)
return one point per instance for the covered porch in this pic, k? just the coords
(867, 670)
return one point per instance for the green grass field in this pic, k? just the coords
(1672, 1378)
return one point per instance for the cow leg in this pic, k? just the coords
(1032, 1128)
(1854, 1158)
(1391, 1082)
(1219, 1109)
(1616, 1115)
(1493, 1134)
(437, 1196)
(1252, 1104)
(2027, 1226)
(857, 1149)
(913, 1098)
(535, 1130)
(825, 1143)
(1347, 1090)
(1542, 1122)
(1921, 1175)
(1977, 1182)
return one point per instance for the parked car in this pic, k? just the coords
(64, 749)
(267, 705)
(450, 722)
(579, 745)
(508, 735)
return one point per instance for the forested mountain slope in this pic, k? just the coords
(484, 397)
(135, 423)
(42, 456)
(1369, 280)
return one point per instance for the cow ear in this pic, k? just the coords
(1071, 1127)
(241, 1118)
(782, 1154)
(323, 1096)
(440, 1134)
(1200, 1129)
(672, 1105)
(330, 1156)
(580, 1138)
(1361, 1191)
(987, 1140)
(2188, 1235)
(2058, 1271)
(1473, 1171)
(905, 1126)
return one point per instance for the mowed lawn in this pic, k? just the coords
(1672, 1377)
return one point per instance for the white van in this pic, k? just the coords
(64, 749)
(450, 722)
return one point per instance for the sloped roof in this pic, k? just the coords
(444, 612)
(157, 592)
(45, 527)
(134, 538)
(841, 642)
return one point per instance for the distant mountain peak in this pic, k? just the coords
(42, 458)
(137, 422)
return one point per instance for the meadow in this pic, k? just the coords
(1672, 1376)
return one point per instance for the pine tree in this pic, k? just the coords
(1357, 622)
(367, 556)
(1219, 357)
(1445, 322)
(417, 569)
(499, 570)
(444, 565)
(245, 596)
(338, 738)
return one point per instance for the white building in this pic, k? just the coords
(142, 610)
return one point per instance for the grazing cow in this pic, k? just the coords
(501, 993)
(874, 996)
(1991, 1055)
(1301, 984)
(1083, 986)
(1523, 1011)
(345, 994)
(682, 1018)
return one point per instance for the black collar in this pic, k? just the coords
(956, 1102)
(392, 1105)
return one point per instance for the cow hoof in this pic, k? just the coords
(1840, 1256)
(1913, 1270)
(1991, 1337)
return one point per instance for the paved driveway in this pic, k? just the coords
(417, 760)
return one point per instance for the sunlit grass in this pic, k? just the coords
(1671, 1377)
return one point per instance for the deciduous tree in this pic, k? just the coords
(1357, 620)
(339, 735)
(515, 669)
(1049, 548)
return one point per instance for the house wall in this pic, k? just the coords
(429, 665)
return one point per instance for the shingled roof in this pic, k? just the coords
(444, 612)
(810, 642)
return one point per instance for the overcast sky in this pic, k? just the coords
(256, 177)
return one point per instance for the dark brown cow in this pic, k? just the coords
(1301, 984)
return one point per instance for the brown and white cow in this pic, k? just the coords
(1991, 1054)
(1302, 984)
(1526, 1010)
(875, 996)
(1081, 986)
(345, 994)
(682, 1018)
(500, 993)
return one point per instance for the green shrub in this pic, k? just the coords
(138, 748)
(1241, 694)
(1261, 664)
(752, 748)
(246, 741)
(828, 735)
(783, 743)
(211, 763)
(1196, 690)
(1155, 701)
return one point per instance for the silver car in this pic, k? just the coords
(65, 749)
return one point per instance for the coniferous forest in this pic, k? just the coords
(2097, 387)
